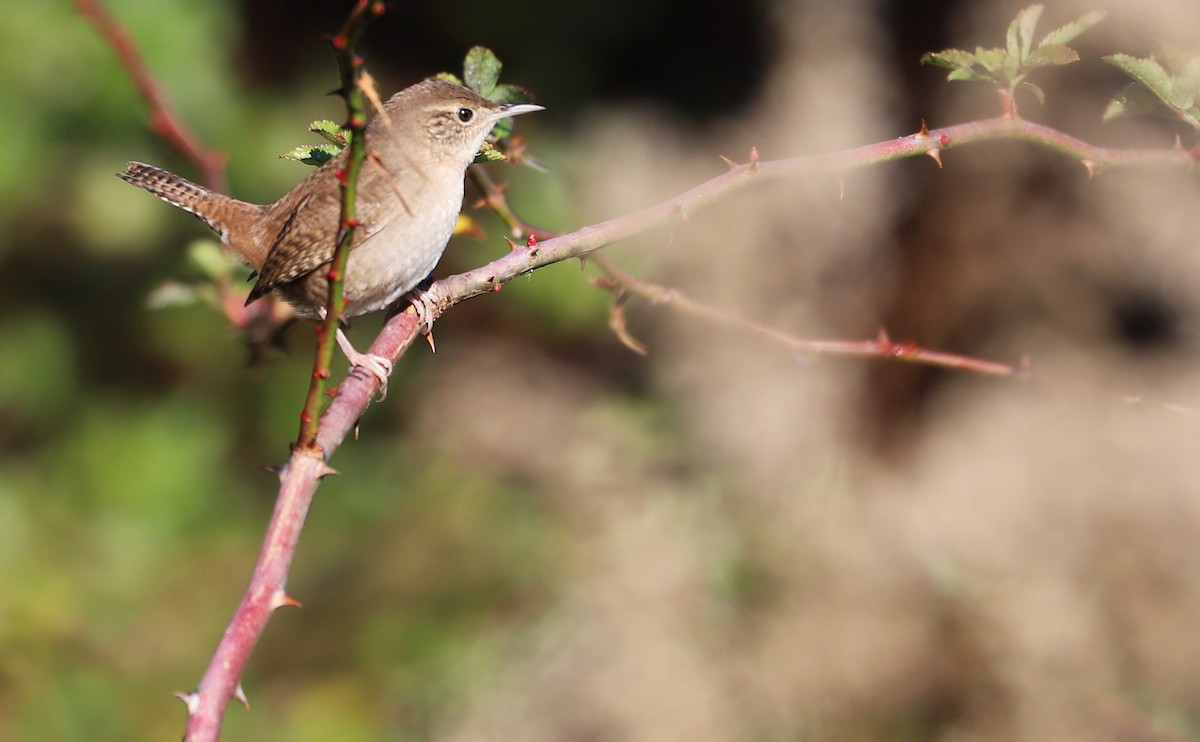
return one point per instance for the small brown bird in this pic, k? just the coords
(410, 191)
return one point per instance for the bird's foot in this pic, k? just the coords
(426, 310)
(377, 366)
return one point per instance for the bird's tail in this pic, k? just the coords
(230, 218)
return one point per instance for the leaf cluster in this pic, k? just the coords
(1165, 89)
(1009, 67)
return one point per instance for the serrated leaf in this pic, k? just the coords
(1020, 32)
(950, 58)
(1037, 92)
(489, 153)
(1029, 19)
(1151, 74)
(1067, 33)
(481, 70)
(332, 132)
(1050, 55)
(312, 154)
(1012, 42)
(991, 60)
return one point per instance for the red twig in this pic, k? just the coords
(210, 163)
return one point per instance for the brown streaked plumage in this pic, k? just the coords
(409, 195)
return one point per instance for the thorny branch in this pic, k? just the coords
(300, 477)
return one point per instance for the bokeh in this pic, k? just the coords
(541, 535)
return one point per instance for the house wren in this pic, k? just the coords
(410, 191)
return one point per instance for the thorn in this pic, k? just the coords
(429, 339)
(617, 323)
(191, 700)
(355, 430)
(279, 599)
(1091, 167)
(924, 132)
(883, 338)
(325, 471)
(936, 154)
(728, 161)
(511, 245)
(240, 694)
(582, 263)
(276, 470)
(1178, 141)
(753, 156)
(841, 187)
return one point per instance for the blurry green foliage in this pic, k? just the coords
(133, 440)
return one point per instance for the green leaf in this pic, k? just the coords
(968, 74)
(332, 132)
(489, 153)
(1037, 92)
(504, 93)
(1136, 100)
(1020, 32)
(950, 58)
(1051, 55)
(1151, 74)
(312, 154)
(481, 70)
(991, 60)
(1067, 33)
(448, 77)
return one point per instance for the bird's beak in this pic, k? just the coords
(516, 109)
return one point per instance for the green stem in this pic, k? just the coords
(349, 66)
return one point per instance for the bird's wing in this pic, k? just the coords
(306, 238)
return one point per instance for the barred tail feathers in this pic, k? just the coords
(224, 215)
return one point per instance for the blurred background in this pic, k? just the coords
(541, 535)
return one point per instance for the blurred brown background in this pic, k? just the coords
(542, 536)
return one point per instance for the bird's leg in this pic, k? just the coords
(378, 366)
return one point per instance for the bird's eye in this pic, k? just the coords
(465, 114)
